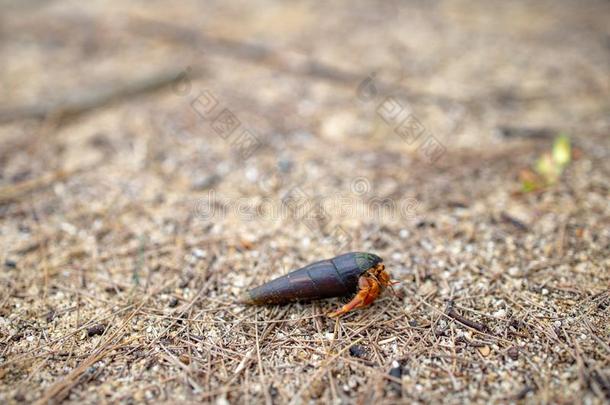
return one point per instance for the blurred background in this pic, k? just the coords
(157, 153)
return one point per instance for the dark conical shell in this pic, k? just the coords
(323, 279)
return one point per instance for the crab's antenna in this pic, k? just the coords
(391, 285)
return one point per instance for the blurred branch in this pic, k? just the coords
(91, 99)
(292, 63)
(15, 191)
(507, 131)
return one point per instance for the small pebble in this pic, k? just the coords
(222, 400)
(96, 330)
(204, 183)
(284, 165)
(199, 253)
(513, 353)
(357, 351)
(10, 264)
(396, 372)
(484, 350)
(252, 174)
(501, 313)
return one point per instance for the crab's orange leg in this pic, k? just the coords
(374, 291)
(369, 291)
(358, 300)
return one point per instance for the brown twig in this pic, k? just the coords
(465, 321)
(90, 99)
(263, 54)
(15, 191)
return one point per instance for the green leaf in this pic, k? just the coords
(527, 186)
(562, 151)
(547, 168)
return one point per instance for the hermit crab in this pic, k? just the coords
(359, 272)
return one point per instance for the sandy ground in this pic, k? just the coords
(157, 160)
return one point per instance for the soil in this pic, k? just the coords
(156, 161)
